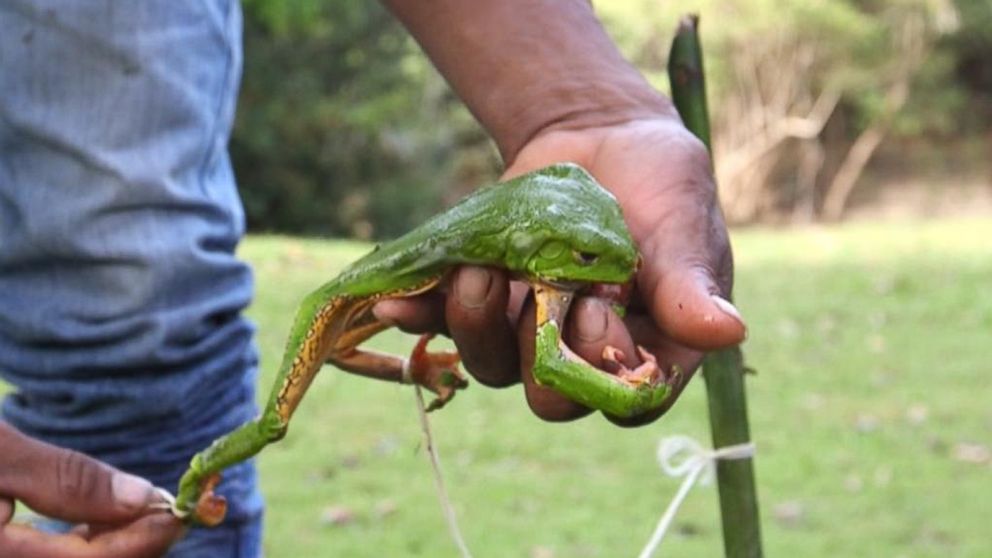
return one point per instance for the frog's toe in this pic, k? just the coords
(439, 402)
(449, 382)
(452, 377)
(647, 373)
(437, 372)
(210, 508)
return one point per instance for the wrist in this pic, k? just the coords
(578, 104)
(527, 67)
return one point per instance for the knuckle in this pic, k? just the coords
(698, 156)
(494, 368)
(495, 377)
(725, 272)
(696, 160)
(76, 478)
(550, 406)
(559, 412)
(638, 420)
(722, 254)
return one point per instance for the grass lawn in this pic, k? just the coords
(871, 412)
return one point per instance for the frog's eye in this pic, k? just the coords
(585, 258)
(552, 250)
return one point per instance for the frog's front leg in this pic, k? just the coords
(625, 394)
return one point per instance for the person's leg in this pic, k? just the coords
(241, 539)
(120, 294)
(238, 537)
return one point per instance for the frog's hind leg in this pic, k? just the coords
(316, 325)
(437, 372)
(327, 327)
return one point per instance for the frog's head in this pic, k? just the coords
(581, 235)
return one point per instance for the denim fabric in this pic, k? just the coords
(241, 539)
(120, 296)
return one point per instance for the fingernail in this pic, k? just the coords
(130, 491)
(595, 316)
(473, 286)
(727, 308)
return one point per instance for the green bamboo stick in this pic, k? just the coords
(723, 370)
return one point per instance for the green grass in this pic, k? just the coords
(872, 347)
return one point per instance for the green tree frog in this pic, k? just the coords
(555, 228)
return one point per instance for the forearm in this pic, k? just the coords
(525, 67)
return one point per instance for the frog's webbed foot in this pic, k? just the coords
(648, 373)
(210, 508)
(437, 372)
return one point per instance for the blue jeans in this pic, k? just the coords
(229, 540)
(120, 295)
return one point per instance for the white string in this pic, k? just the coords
(442, 493)
(168, 503)
(696, 466)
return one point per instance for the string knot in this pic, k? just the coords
(683, 456)
(679, 455)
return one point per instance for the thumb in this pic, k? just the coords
(688, 306)
(68, 485)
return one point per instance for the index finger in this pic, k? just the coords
(147, 537)
(68, 485)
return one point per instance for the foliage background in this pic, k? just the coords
(870, 407)
(869, 410)
(344, 128)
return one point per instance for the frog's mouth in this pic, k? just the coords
(553, 300)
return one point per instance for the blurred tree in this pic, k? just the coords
(343, 127)
(969, 51)
(804, 92)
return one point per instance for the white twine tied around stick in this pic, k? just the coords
(697, 465)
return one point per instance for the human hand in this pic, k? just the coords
(662, 178)
(545, 80)
(111, 509)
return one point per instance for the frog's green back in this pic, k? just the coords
(502, 225)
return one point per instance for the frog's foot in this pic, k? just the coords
(437, 372)
(210, 508)
(648, 373)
